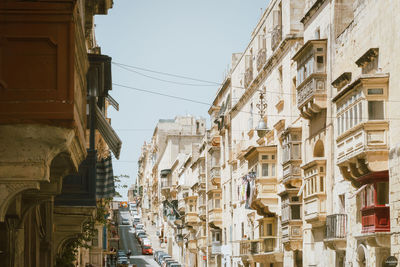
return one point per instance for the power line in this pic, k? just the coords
(161, 94)
(158, 79)
(165, 73)
(240, 111)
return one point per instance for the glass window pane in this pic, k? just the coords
(272, 169)
(264, 169)
(295, 212)
(360, 115)
(375, 110)
(382, 193)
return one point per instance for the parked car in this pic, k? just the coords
(121, 253)
(157, 253)
(141, 236)
(172, 263)
(137, 232)
(175, 265)
(166, 261)
(145, 242)
(147, 250)
(139, 226)
(136, 220)
(125, 221)
(162, 258)
(161, 255)
(122, 262)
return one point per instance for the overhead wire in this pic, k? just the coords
(239, 111)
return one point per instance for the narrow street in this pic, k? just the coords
(128, 241)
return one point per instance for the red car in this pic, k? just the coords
(147, 250)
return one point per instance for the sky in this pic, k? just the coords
(190, 38)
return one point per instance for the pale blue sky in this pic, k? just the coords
(183, 37)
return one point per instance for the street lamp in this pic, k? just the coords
(262, 128)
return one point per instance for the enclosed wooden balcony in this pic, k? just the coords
(291, 220)
(291, 157)
(336, 231)
(215, 217)
(262, 179)
(192, 245)
(314, 193)
(216, 247)
(362, 127)
(311, 78)
(202, 243)
(166, 186)
(261, 250)
(215, 175)
(191, 218)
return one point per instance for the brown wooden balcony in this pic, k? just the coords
(336, 231)
(202, 212)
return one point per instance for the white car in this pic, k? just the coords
(146, 242)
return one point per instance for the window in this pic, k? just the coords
(375, 110)
(264, 168)
(382, 193)
(295, 210)
(217, 204)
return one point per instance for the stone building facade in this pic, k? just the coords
(301, 157)
(48, 143)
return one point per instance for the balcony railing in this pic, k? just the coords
(257, 246)
(248, 77)
(291, 171)
(276, 36)
(166, 183)
(215, 175)
(191, 218)
(261, 58)
(313, 87)
(336, 226)
(216, 247)
(365, 138)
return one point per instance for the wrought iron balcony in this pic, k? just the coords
(276, 36)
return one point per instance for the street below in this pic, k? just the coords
(128, 241)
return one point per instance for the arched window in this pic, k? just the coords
(319, 151)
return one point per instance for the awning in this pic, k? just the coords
(358, 191)
(108, 133)
(301, 189)
(105, 187)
